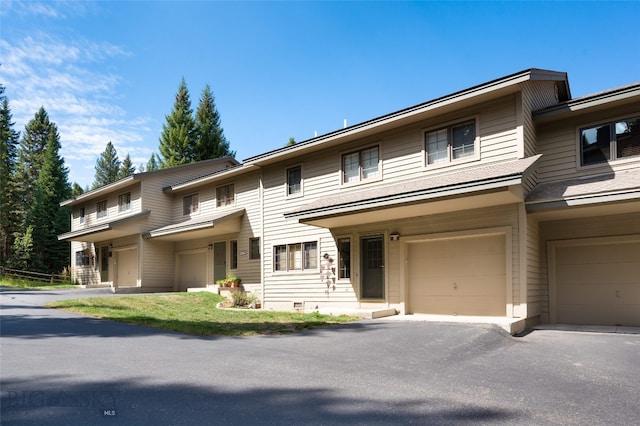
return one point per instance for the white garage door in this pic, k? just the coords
(127, 268)
(598, 283)
(193, 270)
(458, 277)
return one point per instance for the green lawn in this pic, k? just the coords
(196, 313)
(33, 285)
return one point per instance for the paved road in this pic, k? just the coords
(58, 368)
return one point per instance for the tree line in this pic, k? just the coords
(34, 177)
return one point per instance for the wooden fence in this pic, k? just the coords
(36, 276)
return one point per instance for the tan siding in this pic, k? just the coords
(536, 293)
(559, 145)
(535, 95)
(158, 264)
(601, 226)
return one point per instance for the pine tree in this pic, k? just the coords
(152, 164)
(107, 167)
(210, 139)
(9, 220)
(31, 154)
(76, 189)
(177, 141)
(46, 216)
(126, 168)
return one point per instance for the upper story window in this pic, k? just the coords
(361, 165)
(294, 180)
(190, 204)
(451, 143)
(225, 195)
(610, 141)
(82, 214)
(101, 209)
(124, 202)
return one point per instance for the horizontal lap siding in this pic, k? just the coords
(535, 95)
(91, 218)
(248, 197)
(158, 264)
(537, 293)
(498, 136)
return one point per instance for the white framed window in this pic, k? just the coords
(190, 204)
(225, 195)
(83, 258)
(234, 254)
(81, 214)
(101, 209)
(294, 181)
(361, 165)
(124, 202)
(296, 256)
(610, 141)
(451, 143)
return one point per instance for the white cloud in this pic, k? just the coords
(68, 80)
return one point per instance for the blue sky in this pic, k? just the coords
(109, 71)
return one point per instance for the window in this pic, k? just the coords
(254, 248)
(82, 214)
(234, 254)
(610, 141)
(294, 180)
(83, 258)
(124, 202)
(225, 195)
(101, 209)
(360, 165)
(451, 143)
(295, 257)
(344, 258)
(190, 204)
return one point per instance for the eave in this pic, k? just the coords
(106, 231)
(224, 222)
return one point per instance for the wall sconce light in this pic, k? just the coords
(210, 246)
(394, 237)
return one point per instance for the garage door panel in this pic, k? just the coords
(193, 270)
(613, 273)
(598, 283)
(459, 276)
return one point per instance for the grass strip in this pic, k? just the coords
(197, 314)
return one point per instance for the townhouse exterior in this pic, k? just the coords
(508, 199)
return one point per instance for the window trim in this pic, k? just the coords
(350, 266)
(361, 180)
(191, 210)
(233, 255)
(251, 252)
(449, 125)
(82, 215)
(613, 154)
(233, 200)
(300, 192)
(100, 214)
(127, 205)
(85, 258)
(304, 257)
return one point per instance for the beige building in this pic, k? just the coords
(508, 199)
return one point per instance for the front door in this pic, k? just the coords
(372, 266)
(219, 261)
(104, 264)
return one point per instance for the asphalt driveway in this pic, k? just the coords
(59, 368)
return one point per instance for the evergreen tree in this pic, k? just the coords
(126, 168)
(152, 164)
(9, 219)
(46, 216)
(177, 141)
(76, 190)
(210, 139)
(30, 156)
(292, 141)
(107, 167)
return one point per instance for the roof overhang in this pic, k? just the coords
(214, 177)
(108, 230)
(482, 187)
(629, 94)
(611, 193)
(415, 114)
(100, 192)
(226, 222)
